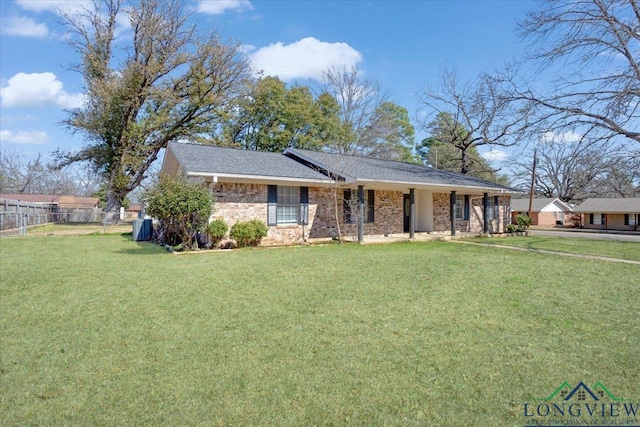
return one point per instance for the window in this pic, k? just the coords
(630, 219)
(596, 219)
(287, 205)
(493, 208)
(350, 205)
(462, 207)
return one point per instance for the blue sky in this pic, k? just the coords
(402, 45)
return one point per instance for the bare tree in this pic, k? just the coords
(171, 84)
(19, 175)
(36, 176)
(470, 114)
(567, 167)
(592, 49)
(621, 179)
(372, 125)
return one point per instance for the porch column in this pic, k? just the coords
(485, 212)
(412, 213)
(452, 212)
(361, 213)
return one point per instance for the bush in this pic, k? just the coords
(511, 228)
(248, 233)
(523, 222)
(217, 230)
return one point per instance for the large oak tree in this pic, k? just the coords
(162, 81)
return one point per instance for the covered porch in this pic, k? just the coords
(429, 212)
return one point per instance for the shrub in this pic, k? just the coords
(523, 222)
(217, 230)
(248, 233)
(511, 228)
(183, 208)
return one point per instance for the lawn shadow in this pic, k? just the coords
(145, 247)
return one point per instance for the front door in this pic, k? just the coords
(406, 202)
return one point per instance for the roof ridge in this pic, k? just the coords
(427, 167)
(238, 149)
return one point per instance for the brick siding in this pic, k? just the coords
(611, 222)
(243, 202)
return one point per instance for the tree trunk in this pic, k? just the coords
(463, 160)
(112, 210)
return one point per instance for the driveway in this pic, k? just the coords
(581, 234)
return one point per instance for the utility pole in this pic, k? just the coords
(533, 180)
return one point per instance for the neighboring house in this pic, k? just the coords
(610, 214)
(133, 211)
(544, 211)
(31, 209)
(296, 193)
(60, 201)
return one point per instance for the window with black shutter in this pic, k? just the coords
(350, 205)
(287, 205)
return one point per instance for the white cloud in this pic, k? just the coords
(562, 137)
(37, 90)
(33, 137)
(495, 155)
(71, 7)
(217, 7)
(21, 26)
(306, 58)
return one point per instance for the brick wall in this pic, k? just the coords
(244, 202)
(475, 224)
(612, 222)
(388, 215)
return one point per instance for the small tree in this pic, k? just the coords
(182, 207)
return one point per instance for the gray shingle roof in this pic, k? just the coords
(366, 168)
(619, 205)
(206, 159)
(522, 205)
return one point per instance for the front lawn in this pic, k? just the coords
(100, 330)
(573, 245)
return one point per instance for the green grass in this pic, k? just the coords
(99, 330)
(55, 229)
(604, 248)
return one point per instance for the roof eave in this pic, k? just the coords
(259, 178)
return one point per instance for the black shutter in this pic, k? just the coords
(496, 207)
(304, 205)
(466, 207)
(626, 219)
(590, 218)
(346, 206)
(272, 205)
(370, 206)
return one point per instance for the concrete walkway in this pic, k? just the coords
(544, 251)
